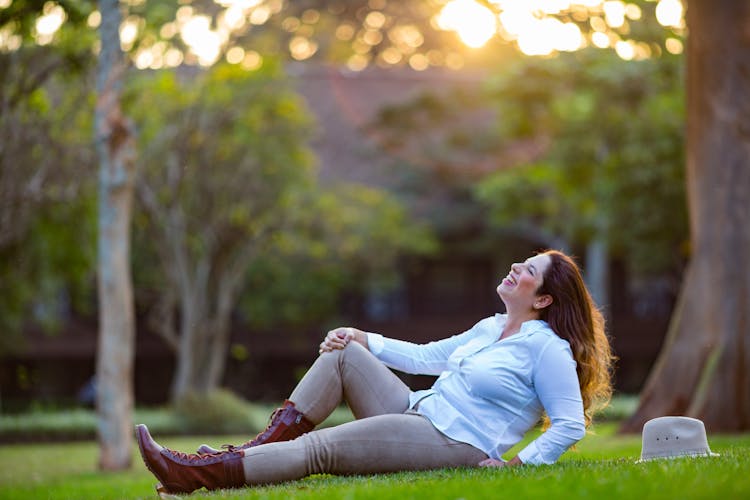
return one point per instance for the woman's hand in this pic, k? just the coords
(340, 337)
(491, 462)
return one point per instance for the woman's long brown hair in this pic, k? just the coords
(573, 316)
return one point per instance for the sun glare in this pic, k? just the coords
(669, 13)
(474, 23)
(203, 42)
(535, 27)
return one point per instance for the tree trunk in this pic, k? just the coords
(207, 297)
(703, 370)
(597, 272)
(201, 357)
(116, 148)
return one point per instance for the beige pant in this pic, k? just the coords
(386, 437)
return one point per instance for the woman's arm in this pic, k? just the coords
(557, 387)
(422, 359)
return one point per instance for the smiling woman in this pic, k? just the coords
(547, 355)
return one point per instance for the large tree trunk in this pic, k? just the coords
(116, 148)
(703, 370)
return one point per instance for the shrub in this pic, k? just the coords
(217, 412)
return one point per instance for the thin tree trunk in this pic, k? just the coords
(202, 356)
(191, 344)
(116, 148)
(703, 370)
(224, 298)
(597, 272)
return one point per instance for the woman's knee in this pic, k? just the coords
(351, 350)
(355, 353)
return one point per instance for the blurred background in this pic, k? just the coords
(311, 164)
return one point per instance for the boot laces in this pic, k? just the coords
(271, 422)
(195, 459)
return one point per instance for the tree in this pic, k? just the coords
(44, 165)
(348, 238)
(607, 169)
(579, 151)
(223, 157)
(227, 185)
(115, 144)
(703, 369)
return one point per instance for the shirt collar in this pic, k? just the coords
(527, 327)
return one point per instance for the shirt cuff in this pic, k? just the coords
(530, 455)
(375, 343)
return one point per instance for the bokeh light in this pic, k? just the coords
(669, 13)
(53, 16)
(674, 46)
(532, 25)
(625, 50)
(235, 55)
(614, 13)
(474, 23)
(203, 42)
(94, 19)
(302, 48)
(419, 62)
(252, 60)
(537, 27)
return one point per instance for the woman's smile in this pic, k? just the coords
(510, 281)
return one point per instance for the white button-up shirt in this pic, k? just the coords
(490, 392)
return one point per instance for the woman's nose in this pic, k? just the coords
(515, 267)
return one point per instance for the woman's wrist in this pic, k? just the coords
(361, 338)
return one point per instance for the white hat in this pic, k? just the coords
(670, 437)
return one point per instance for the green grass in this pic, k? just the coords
(602, 466)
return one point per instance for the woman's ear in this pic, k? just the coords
(542, 301)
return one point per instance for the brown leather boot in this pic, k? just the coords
(184, 473)
(286, 424)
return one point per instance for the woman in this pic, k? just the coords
(548, 355)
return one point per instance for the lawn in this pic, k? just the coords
(602, 466)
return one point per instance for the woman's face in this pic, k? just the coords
(518, 288)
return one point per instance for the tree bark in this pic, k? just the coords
(703, 370)
(116, 149)
(205, 333)
(597, 272)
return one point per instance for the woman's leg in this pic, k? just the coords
(352, 375)
(379, 444)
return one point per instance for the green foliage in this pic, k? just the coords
(226, 144)
(225, 164)
(47, 199)
(217, 412)
(224, 161)
(347, 237)
(614, 161)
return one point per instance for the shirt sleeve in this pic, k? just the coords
(557, 387)
(417, 359)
